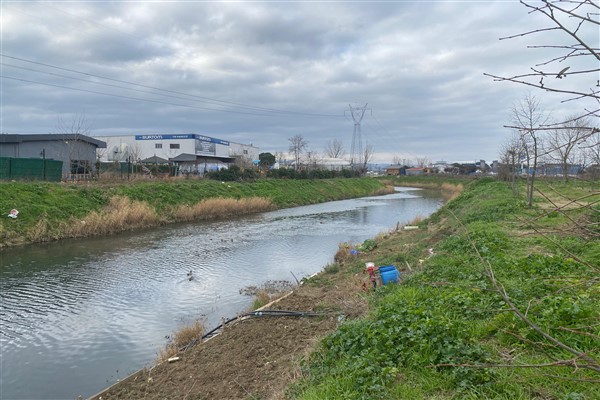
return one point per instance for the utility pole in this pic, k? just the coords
(356, 152)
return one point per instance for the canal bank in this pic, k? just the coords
(444, 332)
(54, 211)
(79, 314)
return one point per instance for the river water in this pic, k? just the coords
(77, 315)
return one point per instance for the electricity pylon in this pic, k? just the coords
(356, 156)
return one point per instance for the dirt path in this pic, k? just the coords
(254, 358)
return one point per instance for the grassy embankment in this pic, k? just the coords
(52, 211)
(448, 332)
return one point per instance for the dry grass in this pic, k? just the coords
(218, 208)
(388, 189)
(261, 298)
(343, 253)
(39, 232)
(181, 338)
(416, 220)
(450, 191)
(119, 215)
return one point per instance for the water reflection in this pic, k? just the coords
(74, 313)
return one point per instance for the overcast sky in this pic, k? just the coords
(261, 72)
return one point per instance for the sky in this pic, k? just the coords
(261, 72)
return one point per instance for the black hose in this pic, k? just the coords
(264, 313)
(261, 313)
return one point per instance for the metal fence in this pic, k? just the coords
(30, 169)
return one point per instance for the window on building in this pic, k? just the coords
(158, 145)
(245, 151)
(174, 146)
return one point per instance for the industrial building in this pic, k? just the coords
(193, 153)
(77, 152)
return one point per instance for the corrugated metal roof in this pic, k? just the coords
(20, 138)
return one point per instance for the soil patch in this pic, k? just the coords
(255, 357)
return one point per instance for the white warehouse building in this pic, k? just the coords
(192, 152)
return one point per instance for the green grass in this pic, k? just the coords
(448, 313)
(45, 207)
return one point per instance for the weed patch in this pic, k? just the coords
(432, 335)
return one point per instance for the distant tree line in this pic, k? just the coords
(235, 173)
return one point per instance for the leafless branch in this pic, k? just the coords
(562, 328)
(590, 362)
(560, 363)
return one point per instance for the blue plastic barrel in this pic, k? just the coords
(389, 273)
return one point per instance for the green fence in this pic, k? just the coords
(30, 169)
(125, 170)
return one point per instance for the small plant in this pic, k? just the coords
(332, 268)
(368, 245)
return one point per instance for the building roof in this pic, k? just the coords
(333, 161)
(154, 160)
(20, 138)
(396, 166)
(186, 157)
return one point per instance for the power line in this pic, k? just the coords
(98, 83)
(131, 98)
(379, 123)
(208, 99)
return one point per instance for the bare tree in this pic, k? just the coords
(401, 161)
(510, 157)
(526, 116)
(135, 152)
(562, 142)
(78, 125)
(577, 55)
(573, 73)
(335, 149)
(312, 159)
(297, 147)
(590, 147)
(367, 156)
(421, 162)
(72, 130)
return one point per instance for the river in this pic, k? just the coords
(78, 315)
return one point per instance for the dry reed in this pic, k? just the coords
(39, 232)
(219, 208)
(180, 339)
(119, 215)
(343, 253)
(450, 191)
(385, 190)
(416, 220)
(261, 298)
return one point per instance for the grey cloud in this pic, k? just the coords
(418, 65)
